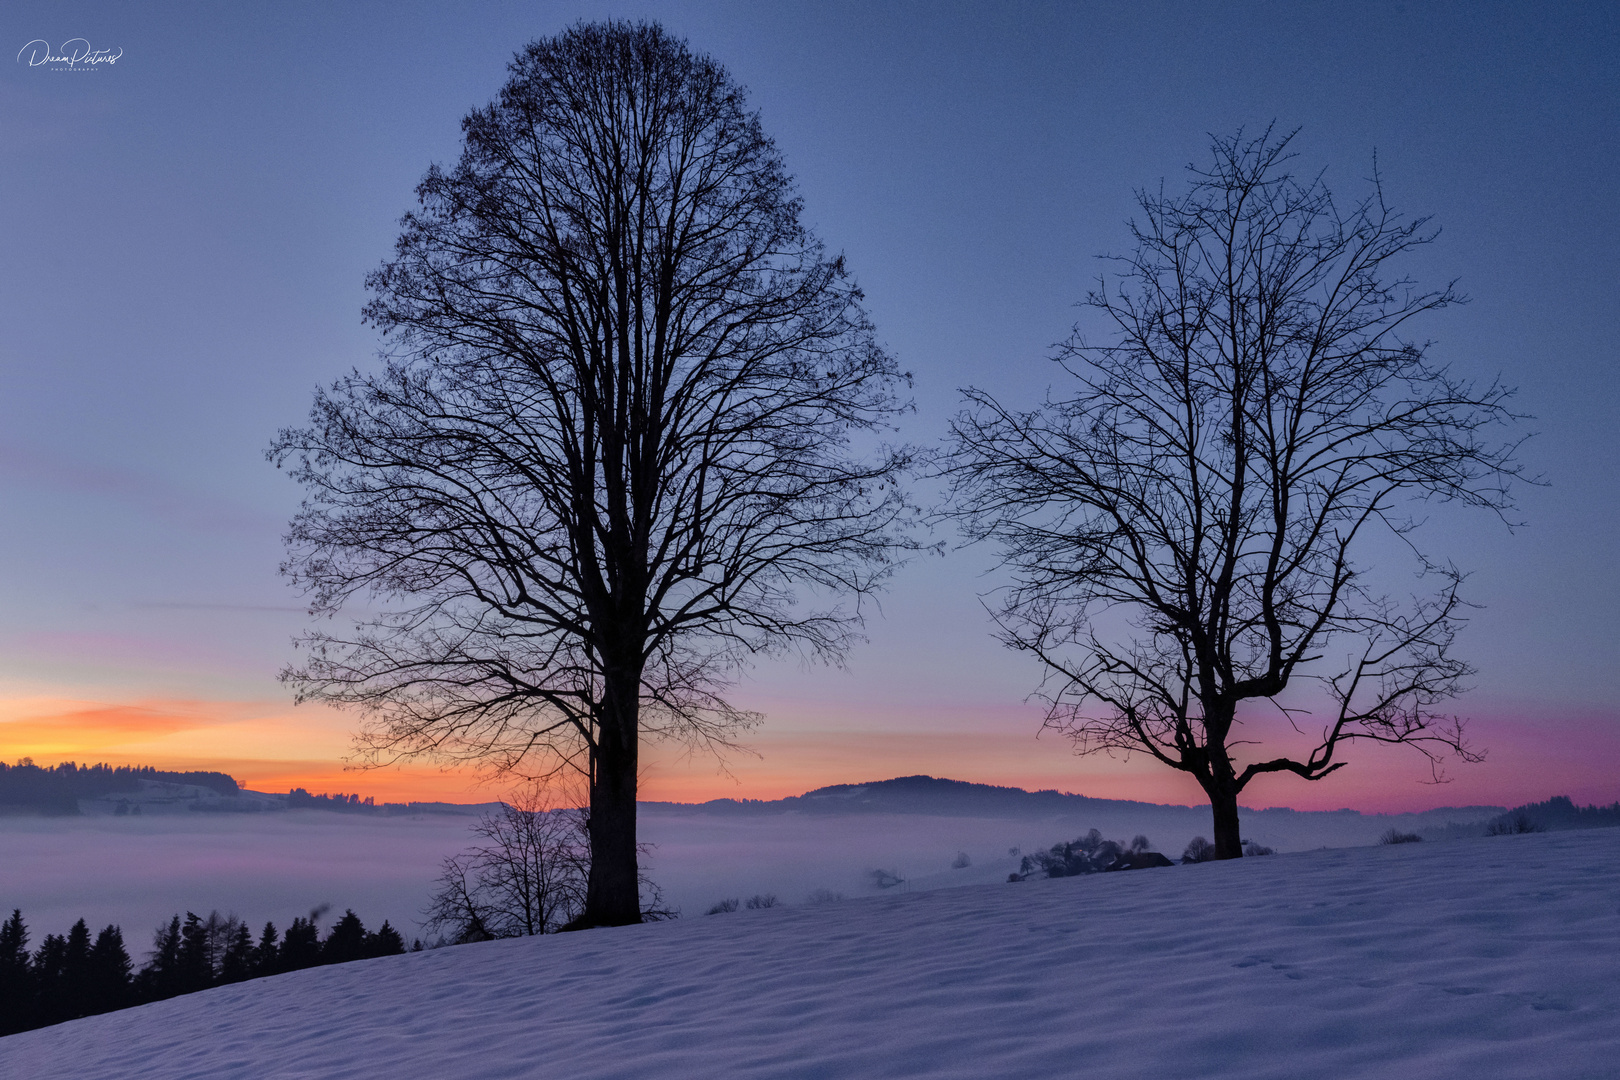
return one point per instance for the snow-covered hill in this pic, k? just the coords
(1493, 957)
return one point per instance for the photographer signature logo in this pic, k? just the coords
(74, 55)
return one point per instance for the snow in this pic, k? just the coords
(1484, 957)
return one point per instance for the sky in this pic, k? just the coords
(187, 230)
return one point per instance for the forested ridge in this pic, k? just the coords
(58, 788)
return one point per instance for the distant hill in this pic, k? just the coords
(57, 789)
(70, 789)
(1557, 814)
(916, 795)
(1067, 816)
(934, 795)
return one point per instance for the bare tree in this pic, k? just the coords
(534, 867)
(1183, 526)
(455, 905)
(527, 878)
(613, 445)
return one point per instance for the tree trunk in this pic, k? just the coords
(613, 886)
(1228, 838)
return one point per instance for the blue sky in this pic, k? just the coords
(187, 231)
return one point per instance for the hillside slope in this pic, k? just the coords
(1484, 957)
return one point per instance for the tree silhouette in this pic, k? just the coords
(70, 977)
(345, 941)
(1188, 525)
(267, 953)
(16, 979)
(110, 973)
(301, 947)
(162, 976)
(50, 980)
(611, 445)
(385, 942)
(236, 964)
(196, 956)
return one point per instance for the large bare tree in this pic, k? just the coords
(628, 434)
(1188, 523)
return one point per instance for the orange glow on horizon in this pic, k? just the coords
(268, 746)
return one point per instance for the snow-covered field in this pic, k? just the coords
(1481, 958)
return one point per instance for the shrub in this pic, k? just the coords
(961, 862)
(722, 907)
(1252, 849)
(885, 879)
(1513, 824)
(1088, 854)
(824, 896)
(1395, 836)
(761, 900)
(1198, 850)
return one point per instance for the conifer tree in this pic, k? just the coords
(266, 954)
(48, 966)
(77, 985)
(16, 982)
(238, 961)
(347, 940)
(160, 978)
(301, 948)
(196, 969)
(110, 969)
(385, 942)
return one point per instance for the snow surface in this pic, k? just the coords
(1492, 957)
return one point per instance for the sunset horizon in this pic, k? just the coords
(781, 761)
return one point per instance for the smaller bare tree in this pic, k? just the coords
(1216, 473)
(528, 877)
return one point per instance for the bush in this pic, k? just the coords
(885, 879)
(1513, 824)
(961, 862)
(1089, 854)
(761, 900)
(722, 907)
(1198, 850)
(824, 896)
(1252, 849)
(1395, 836)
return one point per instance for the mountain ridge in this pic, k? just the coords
(939, 795)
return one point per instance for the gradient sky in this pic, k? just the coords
(186, 233)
